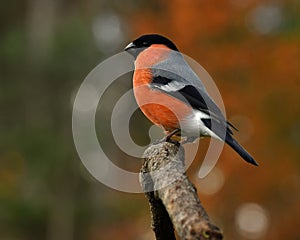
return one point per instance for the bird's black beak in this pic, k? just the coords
(133, 50)
(129, 47)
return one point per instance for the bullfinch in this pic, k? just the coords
(172, 96)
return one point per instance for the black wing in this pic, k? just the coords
(200, 100)
(196, 98)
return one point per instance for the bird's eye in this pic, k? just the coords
(145, 44)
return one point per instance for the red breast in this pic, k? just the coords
(158, 107)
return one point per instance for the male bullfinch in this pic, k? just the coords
(171, 95)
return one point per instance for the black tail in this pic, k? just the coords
(240, 150)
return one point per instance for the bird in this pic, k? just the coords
(171, 95)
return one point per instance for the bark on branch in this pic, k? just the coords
(173, 199)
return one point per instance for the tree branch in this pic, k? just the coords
(172, 197)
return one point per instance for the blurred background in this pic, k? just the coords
(250, 48)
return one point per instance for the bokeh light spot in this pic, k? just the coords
(108, 32)
(252, 221)
(155, 133)
(265, 19)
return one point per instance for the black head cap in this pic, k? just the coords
(146, 41)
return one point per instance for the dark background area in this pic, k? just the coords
(250, 48)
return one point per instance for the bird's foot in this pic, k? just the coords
(189, 140)
(164, 140)
(169, 138)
